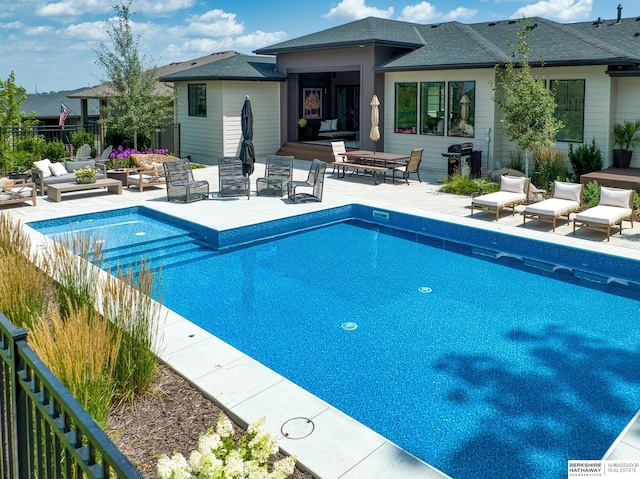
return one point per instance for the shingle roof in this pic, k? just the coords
(367, 31)
(47, 105)
(454, 45)
(102, 90)
(237, 67)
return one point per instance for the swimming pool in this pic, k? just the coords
(465, 370)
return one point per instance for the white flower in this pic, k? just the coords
(175, 468)
(210, 442)
(256, 427)
(283, 468)
(224, 426)
(206, 465)
(234, 467)
(263, 445)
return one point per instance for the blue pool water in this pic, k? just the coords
(476, 359)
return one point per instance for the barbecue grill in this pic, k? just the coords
(463, 151)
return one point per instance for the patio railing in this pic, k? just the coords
(44, 432)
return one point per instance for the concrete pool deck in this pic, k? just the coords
(326, 442)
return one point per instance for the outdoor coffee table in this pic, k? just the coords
(54, 191)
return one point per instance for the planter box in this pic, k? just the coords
(622, 158)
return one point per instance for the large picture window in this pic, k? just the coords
(197, 100)
(406, 108)
(462, 108)
(570, 110)
(432, 98)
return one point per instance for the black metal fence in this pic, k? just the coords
(167, 137)
(44, 432)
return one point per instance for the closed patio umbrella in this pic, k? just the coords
(375, 119)
(247, 152)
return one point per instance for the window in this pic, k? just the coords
(462, 108)
(198, 100)
(570, 110)
(432, 108)
(406, 108)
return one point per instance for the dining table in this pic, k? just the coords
(378, 158)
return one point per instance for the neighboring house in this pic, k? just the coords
(435, 82)
(47, 108)
(209, 100)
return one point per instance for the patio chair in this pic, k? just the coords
(83, 153)
(315, 181)
(181, 187)
(614, 207)
(514, 190)
(339, 151)
(278, 172)
(104, 156)
(411, 166)
(17, 191)
(231, 181)
(566, 199)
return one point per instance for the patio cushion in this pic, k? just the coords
(614, 197)
(7, 184)
(499, 198)
(553, 207)
(58, 169)
(603, 214)
(567, 191)
(72, 166)
(512, 184)
(44, 167)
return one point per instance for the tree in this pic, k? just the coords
(11, 97)
(527, 105)
(133, 108)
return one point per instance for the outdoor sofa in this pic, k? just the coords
(45, 172)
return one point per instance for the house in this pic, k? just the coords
(435, 84)
(209, 99)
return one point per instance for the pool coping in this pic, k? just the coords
(249, 390)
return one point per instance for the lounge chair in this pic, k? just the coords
(17, 191)
(412, 166)
(181, 187)
(231, 181)
(315, 181)
(566, 199)
(615, 206)
(514, 190)
(278, 172)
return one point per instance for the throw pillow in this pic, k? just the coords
(325, 125)
(512, 184)
(150, 169)
(77, 165)
(333, 125)
(7, 184)
(43, 167)
(614, 197)
(57, 169)
(567, 191)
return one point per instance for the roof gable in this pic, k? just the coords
(237, 67)
(367, 31)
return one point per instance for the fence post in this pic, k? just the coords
(18, 406)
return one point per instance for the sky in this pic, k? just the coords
(51, 44)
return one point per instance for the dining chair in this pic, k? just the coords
(412, 166)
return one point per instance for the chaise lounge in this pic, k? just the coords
(566, 199)
(614, 207)
(514, 190)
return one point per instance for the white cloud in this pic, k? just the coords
(460, 13)
(214, 23)
(38, 30)
(565, 10)
(160, 7)
(73, 8)
(356, 9)
(423, 12)
(87, 31)
(202, 46)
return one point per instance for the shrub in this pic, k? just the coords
(55, 150)
(465, 185)
(585, 159)
(591, 193)
(79, 138)
(549, 166)
(516, 160)
(220, 456)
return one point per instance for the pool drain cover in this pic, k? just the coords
(297, 428)
(425, 289)
(349, 326)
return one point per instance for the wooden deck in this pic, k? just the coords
(628, 178)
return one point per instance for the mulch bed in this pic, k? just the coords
(169, 419)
